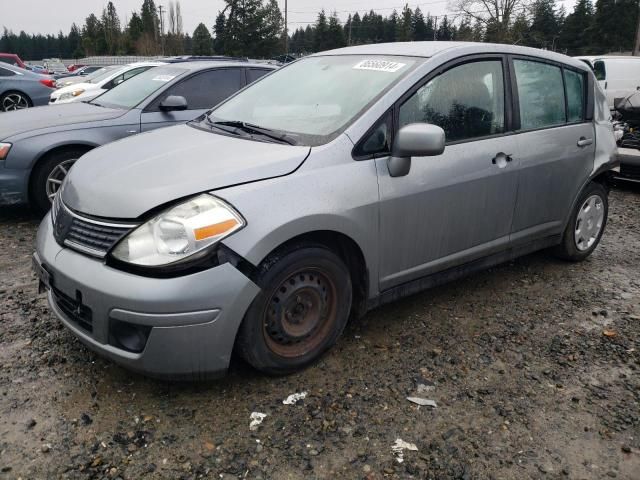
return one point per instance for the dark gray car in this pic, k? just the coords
(40, 145)
(20, 88)
(342, 181)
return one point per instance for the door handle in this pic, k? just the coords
(583, 142)
(501, 159)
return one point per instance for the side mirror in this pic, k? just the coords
(414, 140)
(173, 103)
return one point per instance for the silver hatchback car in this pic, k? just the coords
(342, 181)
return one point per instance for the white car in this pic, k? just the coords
(88, 90)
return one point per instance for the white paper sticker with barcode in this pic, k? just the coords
(163, 78)
(379, 66)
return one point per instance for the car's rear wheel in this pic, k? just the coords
(586, 225)
(12, 101)
(300, 312)
(48, 176)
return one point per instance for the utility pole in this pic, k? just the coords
(161, 27)
(286, 28)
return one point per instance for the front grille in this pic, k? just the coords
(74, 310)
(84, 234)
(630, 170)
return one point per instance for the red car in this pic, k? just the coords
(74, 67)
(12, 59)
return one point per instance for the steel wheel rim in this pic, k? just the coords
(56, 177)
(14, 101)
(301, 313)
(589, 223)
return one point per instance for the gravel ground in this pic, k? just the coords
(533, 365)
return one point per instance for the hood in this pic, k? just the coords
(31, 119)
(75, 86)
(70, 81)
(125, 179)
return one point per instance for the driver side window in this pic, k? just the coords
(466, 101)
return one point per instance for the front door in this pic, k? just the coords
(202, 91)
(455, 207)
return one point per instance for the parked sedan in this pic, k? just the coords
(20, 88)
(38, 147)
(88, 90)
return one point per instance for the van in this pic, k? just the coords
(618, 76)
(344, 180)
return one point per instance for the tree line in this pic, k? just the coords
(255, 28)
(609, 26)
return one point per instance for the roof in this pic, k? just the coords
(591, 58)
(201, 65)
(408, 49)
(431, 49)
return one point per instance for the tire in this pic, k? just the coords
(50, 169)
(302, 309)
(14, 100)
(586, 224)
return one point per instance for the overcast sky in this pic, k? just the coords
(45, 16)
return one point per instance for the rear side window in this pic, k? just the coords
(466, 101)
(540, 94)
(600, 70)
(205, 90)
(574, 84)
(254, 74)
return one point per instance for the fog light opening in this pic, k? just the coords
(128, 336)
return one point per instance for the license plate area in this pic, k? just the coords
(45, 279)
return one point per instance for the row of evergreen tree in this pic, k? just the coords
(609, 26)
(255, 28)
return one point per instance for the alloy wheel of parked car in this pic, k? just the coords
(14, 101)
(56, 177)
(48, 176)
(586, 224)
(301, 311)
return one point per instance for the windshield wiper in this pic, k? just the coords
(250, 128)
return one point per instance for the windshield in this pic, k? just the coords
(101, 74)
(132, 92)
(314, 99)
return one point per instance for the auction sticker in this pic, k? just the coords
(379, 66)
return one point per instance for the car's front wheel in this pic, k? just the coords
(300, 312)
(49, 175)
(586, 225)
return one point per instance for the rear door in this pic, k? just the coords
(202, 90)
(556, 145)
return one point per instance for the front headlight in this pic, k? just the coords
(4, 150)
(179, 232)
(68, 95)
